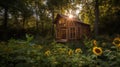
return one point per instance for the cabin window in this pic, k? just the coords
(63, 33)
(79, 32)
(72, 33)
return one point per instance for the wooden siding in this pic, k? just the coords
(67, 30)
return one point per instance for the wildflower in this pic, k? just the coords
(116, 41)
(97, 51)
(70, 52)
(94, 42)
(78, 50)
(47, 53)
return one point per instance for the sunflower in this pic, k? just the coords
(78, 50)
(94, 42)
(70, 52)
(97, 51)
(47, 53)
(118, 46)
(116, 41)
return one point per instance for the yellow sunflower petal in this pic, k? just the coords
(94, 43)
(78, 50)
(97, 51)
(116, 41)
(47, 53)
(70, 52)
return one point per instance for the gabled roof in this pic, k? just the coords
(59, 16)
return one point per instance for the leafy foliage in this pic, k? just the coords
(23, 54)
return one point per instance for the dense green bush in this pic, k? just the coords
(23, 53)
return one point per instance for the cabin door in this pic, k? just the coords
(63, 33)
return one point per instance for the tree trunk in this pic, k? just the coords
(16, 20)
(37, 22)
(37, 13)
(23, 22)
(5, 21)
(52, 29)
(96, 18)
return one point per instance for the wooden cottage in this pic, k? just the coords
(69, 29)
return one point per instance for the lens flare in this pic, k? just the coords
(70, 16)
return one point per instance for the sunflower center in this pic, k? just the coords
(117, 42)
(97, 50)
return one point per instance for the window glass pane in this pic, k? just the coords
(72, 33)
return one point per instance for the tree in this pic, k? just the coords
(13, 8)
(109, 17)
(90, 13)
(102, 15)
(96, 17)
(6, 4)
